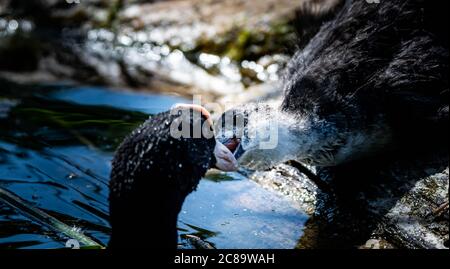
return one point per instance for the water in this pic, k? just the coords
(239, 213)
(56, 144)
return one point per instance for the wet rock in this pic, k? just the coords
(377, 244)
(289, 182)
(390, 198)
(185, 22)
(176, 40)
(215, 48)
(414, 222)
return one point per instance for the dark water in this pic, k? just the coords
(56, 144)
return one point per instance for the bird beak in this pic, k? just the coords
(226, 161)
(225, 158)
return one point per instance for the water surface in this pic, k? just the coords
(56, 144)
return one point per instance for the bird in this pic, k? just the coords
(154, 170)
(374, 78)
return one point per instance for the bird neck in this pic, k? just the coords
(147, 223)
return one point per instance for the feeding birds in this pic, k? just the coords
(372, 78)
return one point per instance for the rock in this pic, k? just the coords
(390, 198)
(413, 222)
(288, 181)
(130, 43)
(184, 22)
(377, 244)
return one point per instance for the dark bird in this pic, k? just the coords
(374, 77)
(153, 171)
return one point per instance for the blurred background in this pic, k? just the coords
(208, 47)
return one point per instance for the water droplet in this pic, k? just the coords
(13, 25)
(149, 146)
(71, 176)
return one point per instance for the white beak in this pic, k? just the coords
(225, 158)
